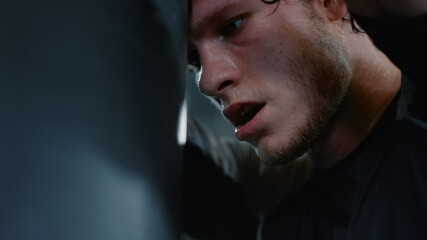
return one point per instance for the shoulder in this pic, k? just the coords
(410, 106)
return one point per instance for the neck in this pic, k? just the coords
(374, 84)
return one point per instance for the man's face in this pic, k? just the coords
(280, 73)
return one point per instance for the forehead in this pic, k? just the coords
(203, 7)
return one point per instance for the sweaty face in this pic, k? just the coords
(278, 70)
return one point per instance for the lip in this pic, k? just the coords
(247, 125)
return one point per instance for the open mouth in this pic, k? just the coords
(240, 114)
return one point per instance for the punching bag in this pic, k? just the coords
(90, 99)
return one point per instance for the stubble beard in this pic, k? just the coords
(324, 86)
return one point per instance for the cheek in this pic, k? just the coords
(278, 56)
(268, 61)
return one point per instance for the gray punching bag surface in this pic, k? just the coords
(90, 96)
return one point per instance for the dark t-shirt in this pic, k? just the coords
(213, 205)
(378, 192)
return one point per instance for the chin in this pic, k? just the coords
(276, 158)
(286, 146)
(276, 154)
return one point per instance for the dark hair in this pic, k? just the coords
(351, 19)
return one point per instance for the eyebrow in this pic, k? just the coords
(196, 29)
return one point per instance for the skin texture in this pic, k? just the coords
(298, 62)
(304, 62)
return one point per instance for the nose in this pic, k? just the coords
(219, 72)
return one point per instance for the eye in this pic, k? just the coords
(232, 26)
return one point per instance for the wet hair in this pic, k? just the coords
(351, 19)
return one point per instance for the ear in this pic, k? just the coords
(333, 10)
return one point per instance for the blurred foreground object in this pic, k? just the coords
(90, 99)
